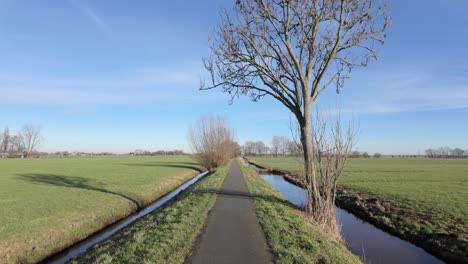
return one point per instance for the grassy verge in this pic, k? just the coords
(291, 237)
(420, 200)
(165, 235)
(48, 204)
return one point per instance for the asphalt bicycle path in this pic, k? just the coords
(233, 233)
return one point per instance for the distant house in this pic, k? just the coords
(4, 155)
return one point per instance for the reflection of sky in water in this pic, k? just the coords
(362, 238)
(292, 193)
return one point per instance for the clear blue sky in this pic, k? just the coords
(115, 76)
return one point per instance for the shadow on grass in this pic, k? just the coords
(182, 165)
(247, 195)
(73, 182)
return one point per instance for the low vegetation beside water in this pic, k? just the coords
(292, 238)
(165, 235)
(422, 200)
(50, 203)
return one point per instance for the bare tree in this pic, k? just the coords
(377, 155)
(266, 150)
(248, 148)
(293, 51)
(212, 142)
(279, 145)
(283, 145)
(458, 152)
(258, 145)
(32, 137)
(5, 140)
(291, 148)
(275, 145)
(443, 152)
(17, 144)
(294, 148)
(260, 148)
(430, 153)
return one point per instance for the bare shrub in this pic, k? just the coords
(212, 142)
(333, 144)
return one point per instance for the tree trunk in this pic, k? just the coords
(320, 209)
(309, 167)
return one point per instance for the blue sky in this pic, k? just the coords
(121, 75)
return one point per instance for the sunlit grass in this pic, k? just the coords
(47, 204)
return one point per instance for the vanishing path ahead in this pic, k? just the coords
(233, 233)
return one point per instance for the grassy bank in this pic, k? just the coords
(420, 200)
(48, 204)
(291, 237)
(165, 235)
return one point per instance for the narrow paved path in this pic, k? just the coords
(233, 233)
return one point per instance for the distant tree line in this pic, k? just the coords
(446, 152)
(134, 153)
(283, 146)
(78, 154)
(140, 152)
(280, 146)
(24, 143)
(364, 154)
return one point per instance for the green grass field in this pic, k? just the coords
(422, 200)
(49, 203)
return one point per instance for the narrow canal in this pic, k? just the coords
(363, 239)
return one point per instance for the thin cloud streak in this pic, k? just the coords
(142, 86)
(95, 18)
(91, 15)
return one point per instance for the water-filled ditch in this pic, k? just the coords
(363, 239)
(103, 234)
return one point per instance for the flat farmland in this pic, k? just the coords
(47, 204)
(419, 199)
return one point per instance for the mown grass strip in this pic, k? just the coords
(165, 235)
(292, 238)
